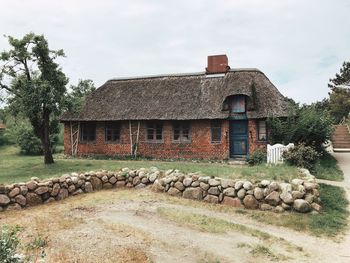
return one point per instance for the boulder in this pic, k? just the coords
(20, 199)
(301, 206)
(297, 195)
(41, 190)
(179, 186)
(285, 187)
(287, 197)
(153, 177)
(230, 192)
(235, 202)
(55, 189)
(71, 188)
(195, 184)
(309, 198)
(309, 186)
(211, 199)
(157, 186)
(33, 199)
(4, 200)
(250, 202)
(297, 182)
(213, 182)
(204, 186)
(286, 207)
(88, 187)
(120, 184)
(273, 198)
(187, 181)
(247, 185)
(266, 207)
(15, 191)
(273, 187)
(24, 189)
(2, 189)
(78, 192)
(214, 190)
(174, 191)
(238, 185)
(193, 193)
(112, 180)
(316, 207)
(264, 183)
(139, 186)
(136, 180)
(241, 193)
(107, 186)
(278, 209)
(14, 206)
(96, 183)
(258, 193)
(144, 180)
(62, 194)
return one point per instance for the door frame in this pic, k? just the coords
(231, 138)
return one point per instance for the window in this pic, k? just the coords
(181, 132)
(215, 131)
(112, 132)
(238, 104)
(155, 132)
(87, 131)
(262, 130)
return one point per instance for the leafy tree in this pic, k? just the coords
(78, 94)
(37, 86)
(339, 97)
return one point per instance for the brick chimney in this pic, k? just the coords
(217, 64)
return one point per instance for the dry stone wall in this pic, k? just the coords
(300, 195)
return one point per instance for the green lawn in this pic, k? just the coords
(18, 168)
(328, 169)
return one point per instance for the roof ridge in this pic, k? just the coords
(181, 74)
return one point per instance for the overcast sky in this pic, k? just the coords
(298, 44)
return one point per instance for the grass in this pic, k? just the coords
(208, 224)
(18, 168)
(330, 223)
(328, 169)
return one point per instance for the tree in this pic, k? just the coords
(339, 97)
(37, 85)
(78, 94)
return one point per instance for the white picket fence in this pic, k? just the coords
(274, 152)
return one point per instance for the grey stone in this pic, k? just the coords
(20, 199)
(88, 187)
(297, 181)
(107, 186)
(316, 207)
(258, 193)
(136, 180)
(157, 186)
(144, 180)
(264, 183)
(287, 197)
(24, 189)
(187, 181)
(273, 198)
(241, 193)
(278, 209)
(96, 183)
(309, 186)
(230, 192)
(297, 195)
(266, 207)
(71, 188)
(285, 206)
(179, 186)
(15, 191)
(120, 184)
(247, 185)
(32, 185)
(193, 193)
(195, 184)
(55, 189)
(78, 192)
(309, 198)
(273, 187)
(62, 194)
(214, 190)
(204, 186)
(174, 192)
(285, 187)
(301, 206)
(153, 177)
(42, 190)
(250, 202)
(238, 185)
(213, 182)
(4, 200)
(112, 180)
(139, 186)
(14, 206)
(33, 199)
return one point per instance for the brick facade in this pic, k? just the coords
(200, 146)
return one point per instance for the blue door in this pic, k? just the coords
(238, 138)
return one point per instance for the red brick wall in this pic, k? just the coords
(200, 146)
(254, 144)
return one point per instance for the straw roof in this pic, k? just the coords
(181, 97)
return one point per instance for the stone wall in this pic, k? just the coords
(300, 195)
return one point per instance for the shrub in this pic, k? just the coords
(302, 156)
(8, 245)
(257, 157)
(29, 144)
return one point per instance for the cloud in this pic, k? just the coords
(298, 44)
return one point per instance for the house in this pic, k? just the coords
(217, 114)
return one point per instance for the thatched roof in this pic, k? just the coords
(181, 97)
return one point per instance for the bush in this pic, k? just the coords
(257, 157)
(302, 156)
(8, 245)
(29, 144)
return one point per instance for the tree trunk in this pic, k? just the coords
(48, 158)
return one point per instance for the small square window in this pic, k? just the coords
(181, 132)
(112, 132)
(154, 132)
(87, 131)
(262, 131)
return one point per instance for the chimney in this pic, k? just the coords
(217, 64)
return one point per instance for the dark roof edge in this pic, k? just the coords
(182, 74)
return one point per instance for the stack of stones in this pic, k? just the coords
(301, 195)
(34, 192)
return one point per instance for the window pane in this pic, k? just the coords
(262, 130)
(87, 131)
(176, 135)
(216, 134)
(238, 104)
